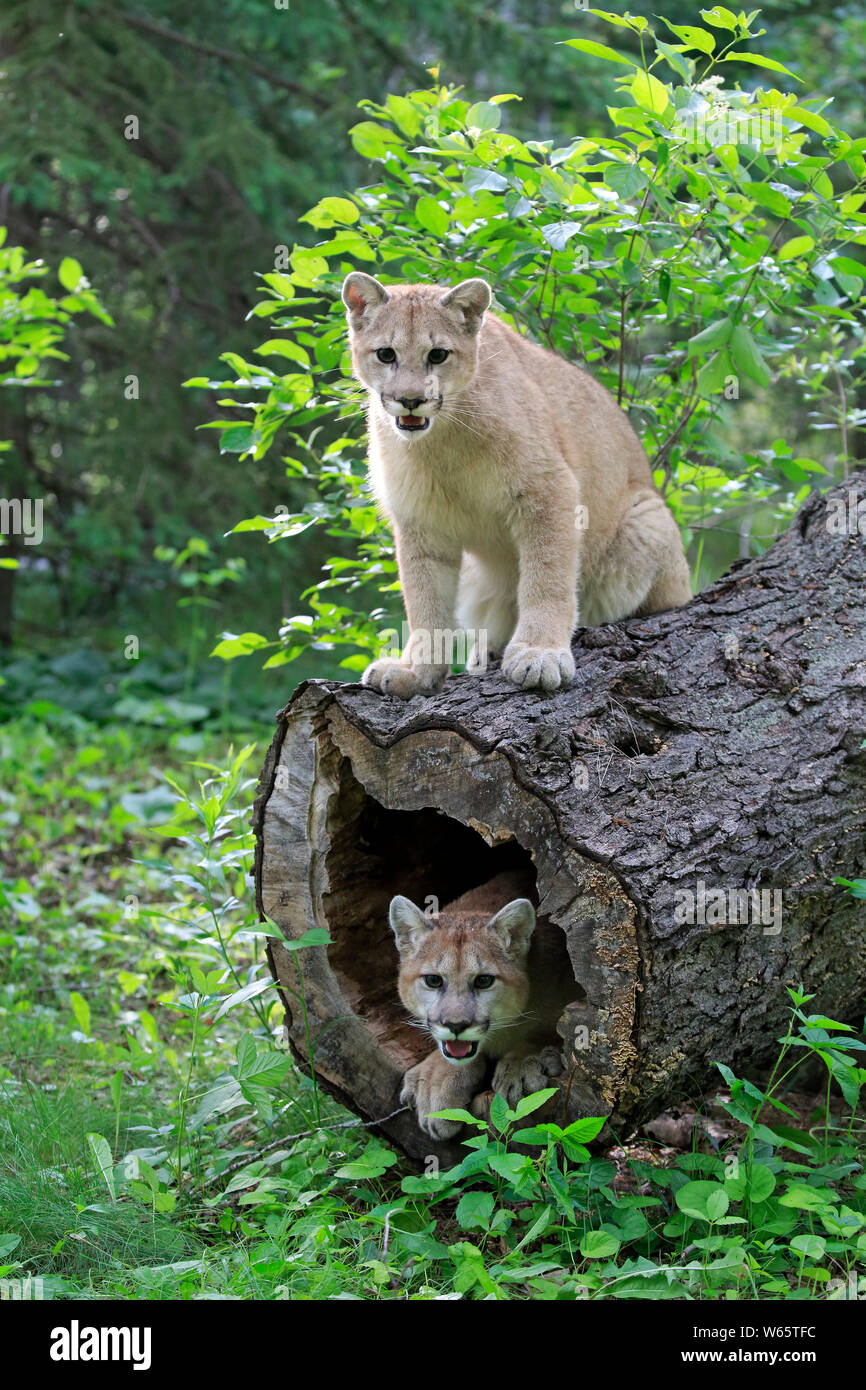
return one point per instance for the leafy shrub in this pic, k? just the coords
(694, 252)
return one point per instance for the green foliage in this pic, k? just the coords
(562, 1224)
(155, 1140)
(32, 324)
(170, 150)
(700, 251)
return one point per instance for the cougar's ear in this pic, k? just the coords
(360, 293)
(514, 925)
(470, 298)
(408, 923)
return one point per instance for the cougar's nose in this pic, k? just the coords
(410, 402)
(456, 1028)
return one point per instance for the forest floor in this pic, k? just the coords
(149, 1136)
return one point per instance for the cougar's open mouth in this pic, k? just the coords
(413, 422)
(458, 1049)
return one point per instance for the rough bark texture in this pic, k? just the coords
(718, 744)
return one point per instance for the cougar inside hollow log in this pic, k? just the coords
(521, 498)
(488, 990)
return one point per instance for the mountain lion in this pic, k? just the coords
(519, 494)
(487, 990)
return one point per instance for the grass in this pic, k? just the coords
(146, 1133)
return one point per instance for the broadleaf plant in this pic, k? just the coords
(704, 249)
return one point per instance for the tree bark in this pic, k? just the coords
(716, 746)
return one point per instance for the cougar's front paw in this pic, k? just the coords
(436, 1085)
(393, 678)
(518, 1076)
(532, 668)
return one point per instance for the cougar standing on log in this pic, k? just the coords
(521, 498)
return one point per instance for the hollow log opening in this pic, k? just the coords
(375, 853)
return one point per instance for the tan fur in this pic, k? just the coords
(462, 944)
(484, 502)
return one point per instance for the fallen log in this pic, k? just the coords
(679, 816)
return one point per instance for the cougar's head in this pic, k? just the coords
(415, 347)
(462, 980)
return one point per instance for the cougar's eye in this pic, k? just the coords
(386, 354)
(433, 981)
(484, 981)
(436, 356)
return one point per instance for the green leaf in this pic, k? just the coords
(219, 1098)
(766, 197)
(69, 274)
(240, 645)
(475, 1209)
(797, 246)
(241, 996)
(512, 1167)
(811, 119)
(720, 18)
(599, 1245)
(584, 1131)
(813, 1247)
(761, 1183)
(284, 347)
(313, 936)
(713, 375)
(527, 1104)
(746, 357)
(649, 94)
(846, 265)
(499, 1113)
(238, 439)
(693, 36)
(101, 1152)
(373, 141)
(280, 283)
(759, 61)
(717, 1204)
(557, 234)
(804, 1198)
(625, 179)
(635, 22)
(705, 1201)
(600, 50)
(432, 216)
(372, 1164)
(81, 1010)
(330, 212)
(711, 337)
(484, 116)
(462, 1116)
(258, 1063)
(675, 58)
(476, 180)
